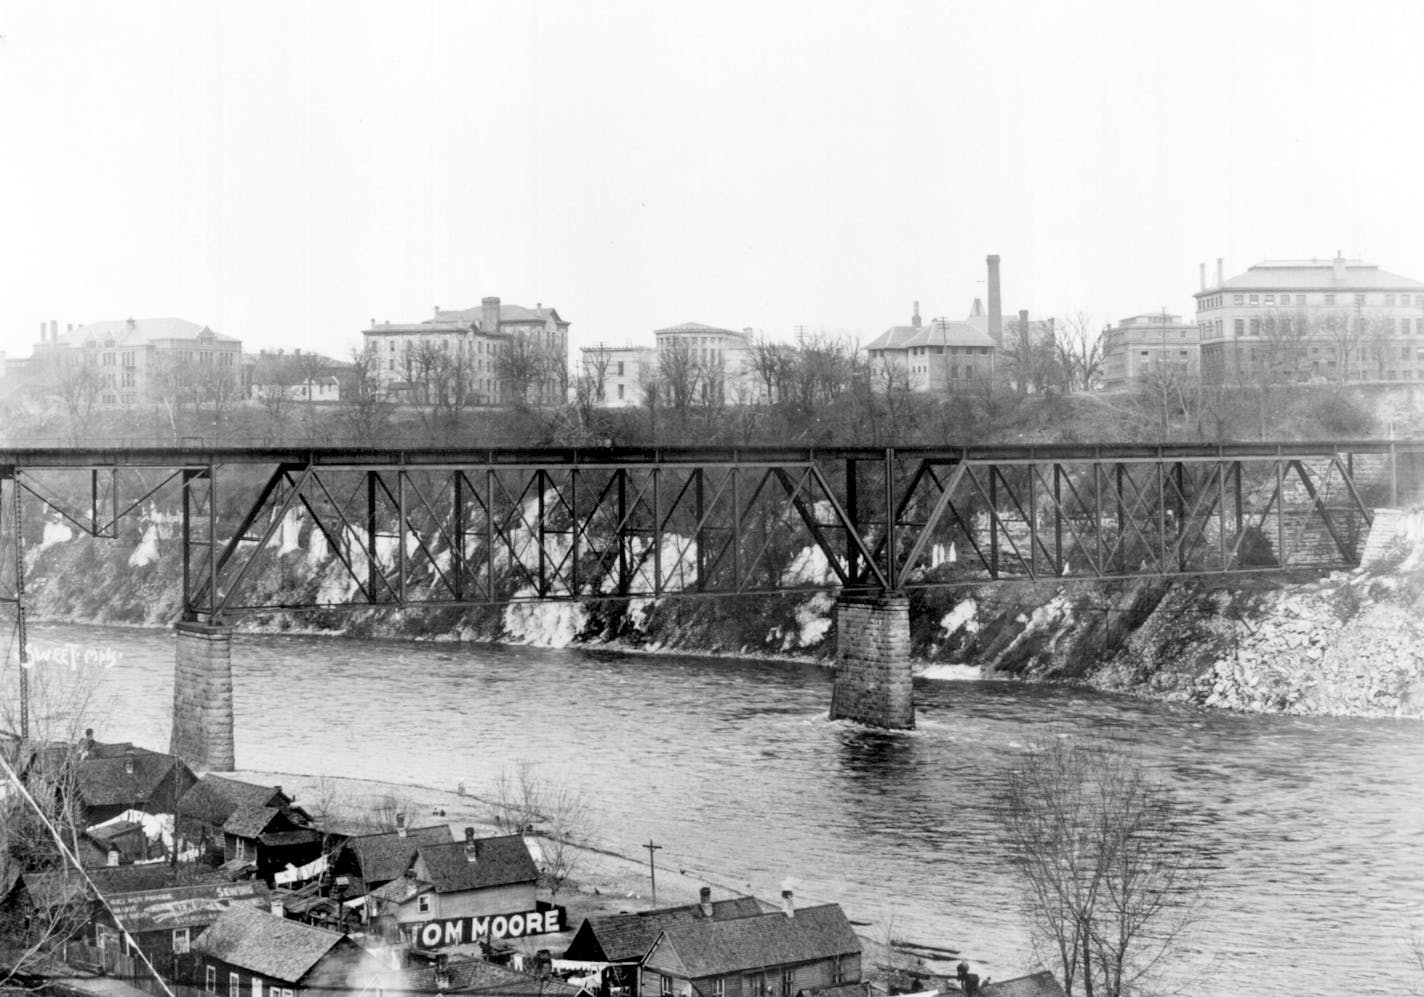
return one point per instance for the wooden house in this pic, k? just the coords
(163, 922)
(119, 842)
(622, 940)
(250, 953)
(114, 778)
(781, 954)
(270, 837)
(460, 879)
(372, 860)
(207, 805)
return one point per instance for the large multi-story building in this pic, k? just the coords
(130, 359)
(939, 357)
(1299, 320)
(705, 361)
(499, 350)
(617, 374)
(1148, 343)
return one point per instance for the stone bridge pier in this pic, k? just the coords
(873, 682)
(202, 698)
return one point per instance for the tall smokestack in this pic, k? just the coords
(54, 330)
(1203, 275)
(43, 327)
(489, 315)
(996, 310)
(1220, 279)
(915, 318)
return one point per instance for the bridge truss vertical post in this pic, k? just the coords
(892, 553)
(852, 508)
(457, 481)
(12, 521)
(625, 538)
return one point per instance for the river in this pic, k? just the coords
(1314, 828)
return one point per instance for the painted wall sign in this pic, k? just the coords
(491, 927)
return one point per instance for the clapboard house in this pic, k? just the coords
(271, 838)
(622, 940)
(162, 923)
(459, 879)
(250, 952)
(780, 954)
(372, 860)
(113, 778)
(207, 805)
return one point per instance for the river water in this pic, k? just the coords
(1314, 828)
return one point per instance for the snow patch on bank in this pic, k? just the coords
(147, 550)
(953, 673)
(963, 615)
(543, 624)
(54, 533)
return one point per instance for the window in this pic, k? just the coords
(180, 940)
(1236, 299)
(1330, 299)
(751, 985)
(620, 368)
(1255, 299)
(788, 982)
(422, 903)
(1240, 327)
(1389, 301)
(1271, 299)
(234, 985)
(1359, 299)
(665, 985)
(838, 973)
(210, 980)
(1255, 327)
(719, 987)
(620, 391)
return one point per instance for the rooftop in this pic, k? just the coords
(717, 948)
(213, 798)
(1316, 275)
(386, 856)
(267, 945)
(139, 332)
(625, 937)
(499, 861)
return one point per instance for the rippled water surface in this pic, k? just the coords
(1314, 828)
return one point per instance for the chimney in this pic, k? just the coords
(400, 825)
(43, 331)
(1339, 267)
(128, 764)
(113, 856)
(704, 900)
(787, 907)
(996, 312)
(277, 908)
(470, 850)
(1023, 325)
(1202, 267)
(1220, 279)
(54, 330)
(437, 311)
(915, 318)
(489, 315)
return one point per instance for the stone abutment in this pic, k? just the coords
(202, 698)
(873, 682)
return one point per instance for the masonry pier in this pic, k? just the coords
(202, 697)
(873, 682)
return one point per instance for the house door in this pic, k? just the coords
(753, 985)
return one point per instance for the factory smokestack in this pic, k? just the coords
(996, 312)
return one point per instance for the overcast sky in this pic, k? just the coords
(286, 172)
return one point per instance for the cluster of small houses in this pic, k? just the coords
(269, 901)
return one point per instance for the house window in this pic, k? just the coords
(788, 982)
(1236, 299)
(752, 985)
(1271, 299)
(234, 985)
(838, 973)
(620, 392)
(620, 368)
(1239, 327)
(719, 987)
(180, 940)
(422, 903)
(665, 985)
(210, 980)
(1255, 299)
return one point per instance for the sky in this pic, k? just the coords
(288, 172)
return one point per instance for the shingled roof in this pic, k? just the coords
(500, 861)
(213, 798)
(717, 948)
(126, 779)
(267, 945)
(627, 937)
(384, 857)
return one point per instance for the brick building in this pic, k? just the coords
(1336, 320)
(1150, 342)
(939, 357)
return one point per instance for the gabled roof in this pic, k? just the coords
(1315, 275)
(499, 861)
(401, 889)
(939, 332)
(384, 857)
(138, 332)
(213, 798)
(717, 948)
(107, 781)
(249, 822)
(894, 338)
(265, 944)
(1040, 984)
(627, 937)
(132, 878)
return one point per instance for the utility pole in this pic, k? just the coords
(652, 869)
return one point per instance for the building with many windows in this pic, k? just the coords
(1143, 344)
(126, 360)
(703, 361)
(940, 357)
(496, 351)
(616, 374)
(1301, 320)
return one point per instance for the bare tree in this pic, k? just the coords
(1079, 349)
(521, 367)
(274, 380)
(774, 365)
(681, 378)
(562, 817)
(172, 385)
(594, 376)
(1111, 877)
(366, 410)
(77, 386)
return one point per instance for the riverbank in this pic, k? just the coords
(606, 879)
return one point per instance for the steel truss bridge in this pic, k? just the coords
(453, 528)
